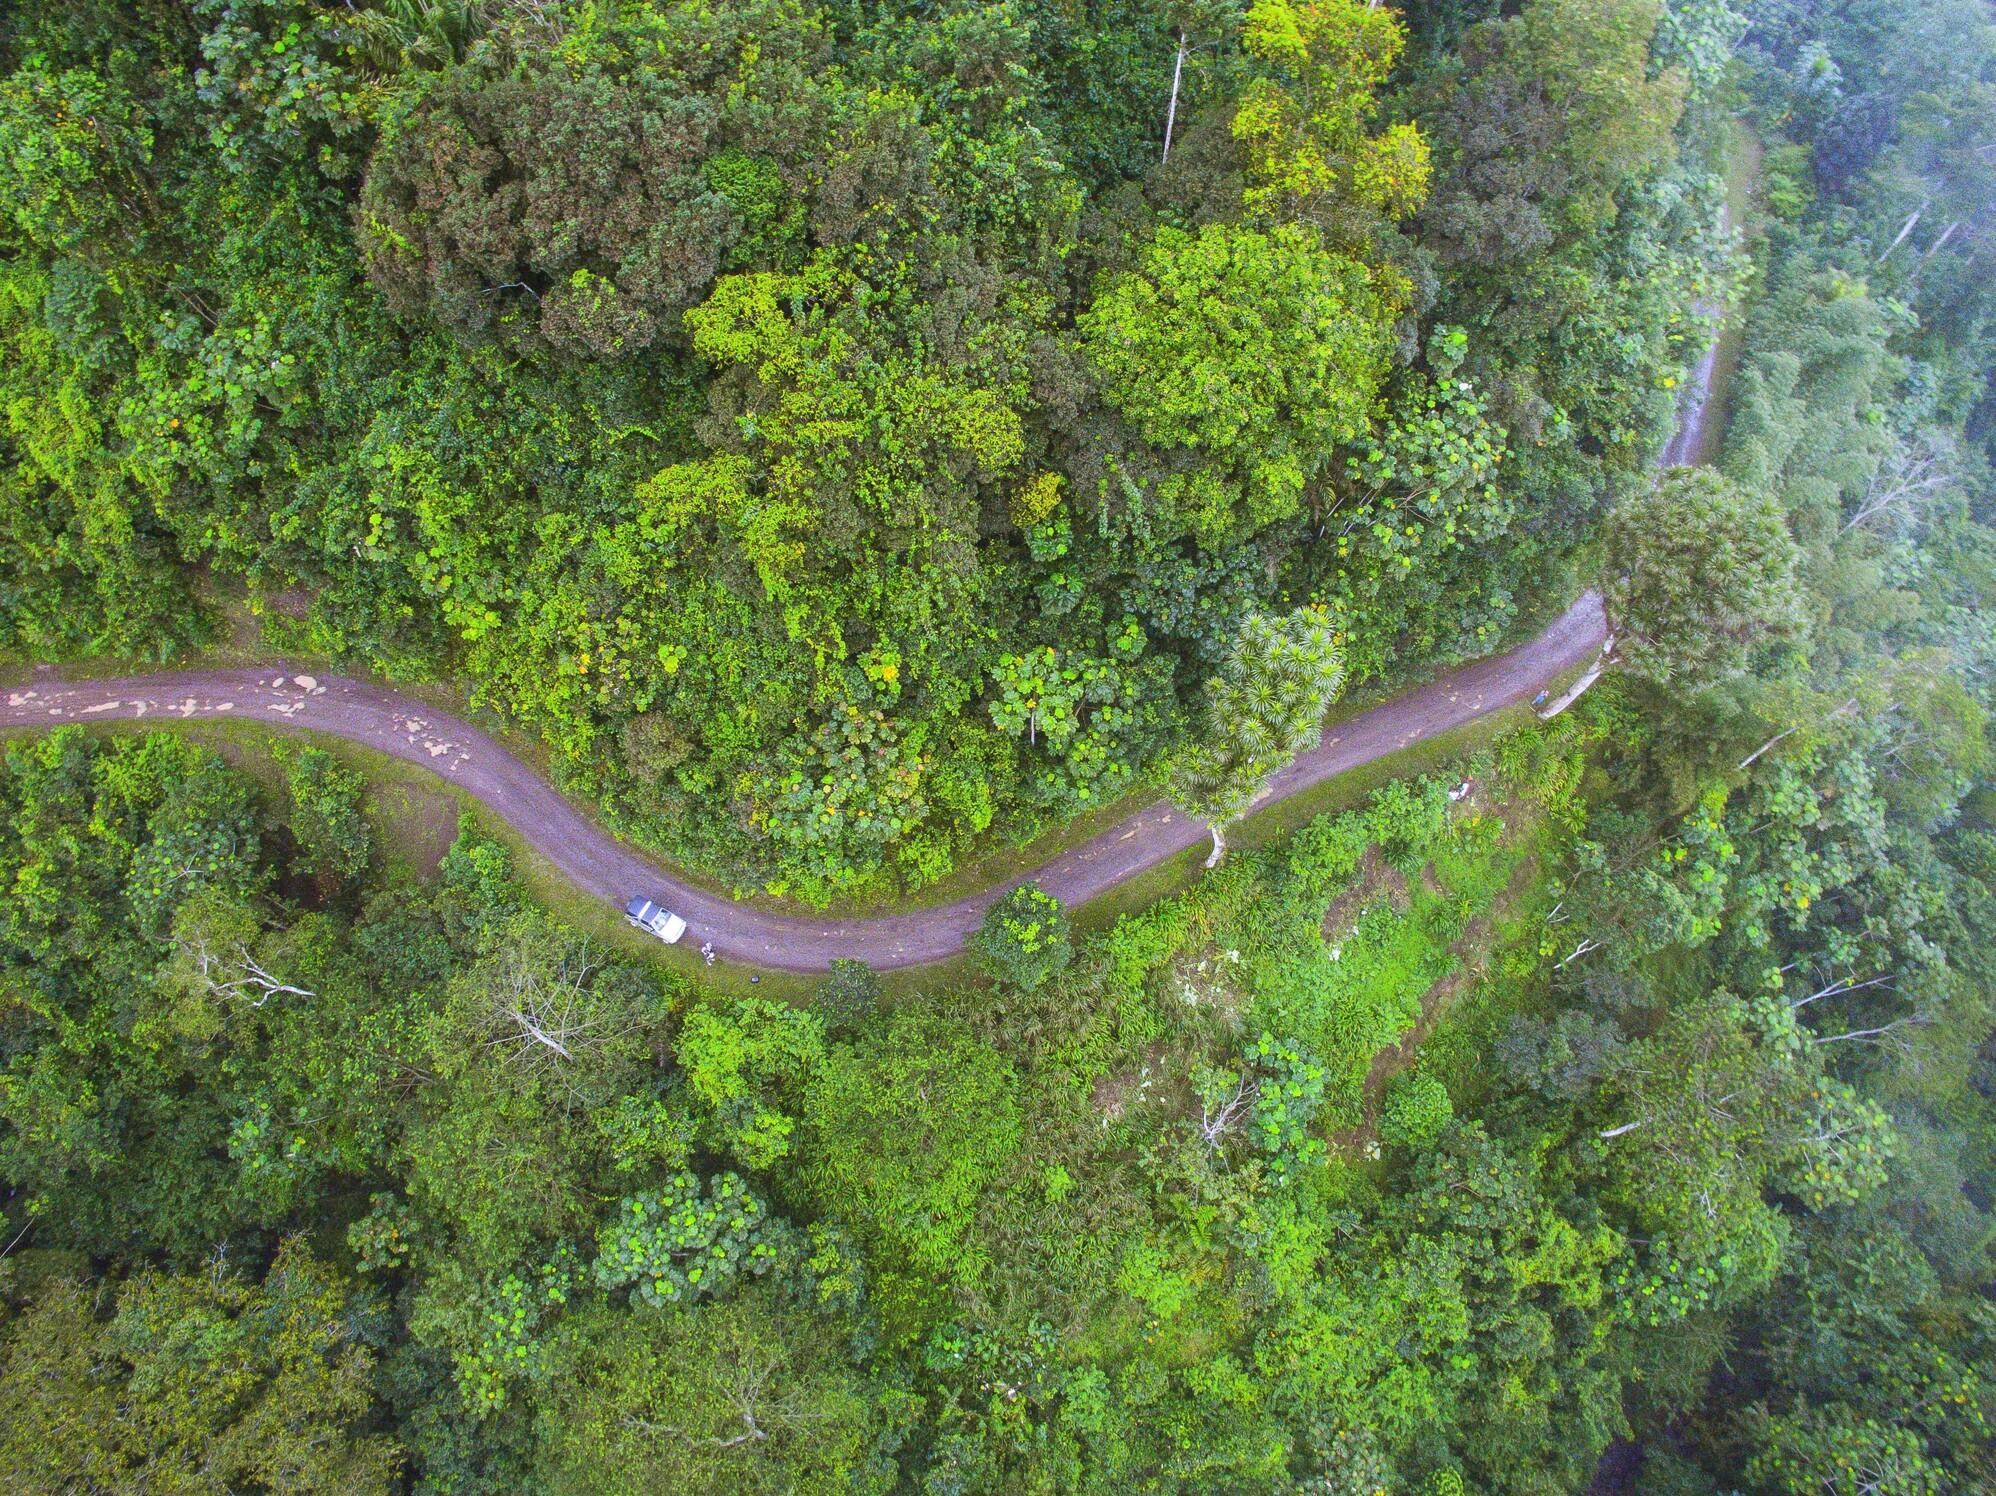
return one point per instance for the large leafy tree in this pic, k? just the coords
(1556, 242)
(1408, 529)
(196, 1382)
(581, 181)
(1699, 575)
(747, 1396)
(1255, 354)
(904, 1134)
(1303, 123)
(1263, 706)
(1024, 938)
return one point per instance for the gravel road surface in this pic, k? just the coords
(391, 723)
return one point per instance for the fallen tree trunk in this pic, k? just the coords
(1574, 692)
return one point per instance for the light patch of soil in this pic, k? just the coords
(1376, 876)
(1472, 951)
(1208, 983)
(289, 602)
(1117, 1092)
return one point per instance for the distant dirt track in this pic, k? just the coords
(391, 723)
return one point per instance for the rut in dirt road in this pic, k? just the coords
(391, 723)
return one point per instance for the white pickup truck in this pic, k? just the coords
(656, 919)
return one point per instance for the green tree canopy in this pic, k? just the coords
(1263, 706)
(1699, 574)
(196, 1382)
(1304, 129)
(1024, 939)
(743, 1398)
(1258, 352)
(582, 182)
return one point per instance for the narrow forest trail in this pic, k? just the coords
(1696, 438)
(596, 862)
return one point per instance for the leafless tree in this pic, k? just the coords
(1221, 1115)
(1917, 472)
(759, 1412)
(233, 973)
(1939, 243)
(539, 1009)
(541, 1014)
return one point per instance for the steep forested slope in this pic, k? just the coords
(844, 435)
(835, 430)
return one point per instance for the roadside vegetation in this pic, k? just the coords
(847, 443)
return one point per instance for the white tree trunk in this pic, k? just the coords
(1219, 844)
(1906, 229)
(1946, 234)
(1574, 692)
(1171, 115)
(1748, 761)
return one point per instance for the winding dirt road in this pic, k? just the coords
(1695, 424)
(394, 724)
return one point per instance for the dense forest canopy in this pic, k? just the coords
(850, 436)
(758, 402)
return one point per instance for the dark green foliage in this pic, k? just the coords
(586, 196)
(1024, 938)
(1397, 536)
(1699, 577)
(1551, 227)
(758, 1396)
(843, 442)
(847, 997)
(333, 838)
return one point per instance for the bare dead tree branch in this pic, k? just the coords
(1873, 1035)
(1171, 115)
(1574, 692)
(1216, 1122)
(1586, 945)
(236, 976)
(1913, 475)
(1935, 248)
(1748, 761)
(1904, 230)
(1839, 987)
